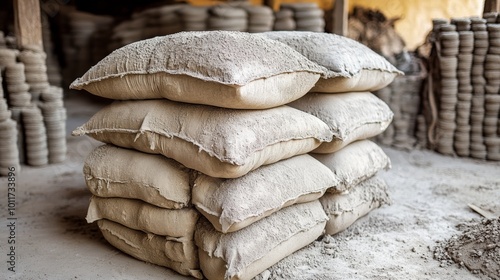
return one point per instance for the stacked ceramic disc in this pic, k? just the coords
(307, 16)
(162, 20)
(79, 33)
(129, 31)
(491, 130)
(8, 138)
(35, 137)
(449, 48)
(477, 147)
(7, 56)
(35, 70)
(54, 118)
(403, 97)
(53, 70)
(477, 65)
(421, 133)
(465, 89)
(491, 17)
(228, 18)
(283, 20)
(194, 18)
(17, 88)
(260, 18)
(8, 141)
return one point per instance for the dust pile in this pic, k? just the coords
(477, 248)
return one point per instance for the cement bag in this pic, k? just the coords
(219, 68)
(178, 224)
(223, 143)
(116, 172)
(232, 204)
(160, 250)
(344, 209)
(355, 163)
(351, 116)
(351, 66)
(251, 250)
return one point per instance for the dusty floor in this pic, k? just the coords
(430, 193)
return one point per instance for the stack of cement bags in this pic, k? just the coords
(236, 123)
(218, 120)
(54, 119)
(468, 92)
(352, 70)
(162, 20)
(142, 205)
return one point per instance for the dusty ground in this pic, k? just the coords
(430, 193)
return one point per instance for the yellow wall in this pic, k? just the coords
(416, 16)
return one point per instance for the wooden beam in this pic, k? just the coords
(28, 23)
(340, 16)
(491, 6)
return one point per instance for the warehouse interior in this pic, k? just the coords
(252, 139)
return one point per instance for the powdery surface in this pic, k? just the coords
(477, 248)
(429, 191)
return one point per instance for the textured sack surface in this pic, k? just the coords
(355, 163)
(222, 143)
(179, 224)
(351, 116)
(232, 204)
(351, 66)
(179, 256)
(220, 68)
(251, 250)
(116, 172)
(344, 209)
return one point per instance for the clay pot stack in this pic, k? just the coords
(449, 43)
(227, 18)
(128, 31)
(79, 33)
(307, 16)
(53, 69)
(8, 138)
(32, 114)
(403, 97)
(283, 20)
(474, 117)
(54, 118)
(35, 70)
(477, 147)
(491, 129)
(162, 20)
(194, 18)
